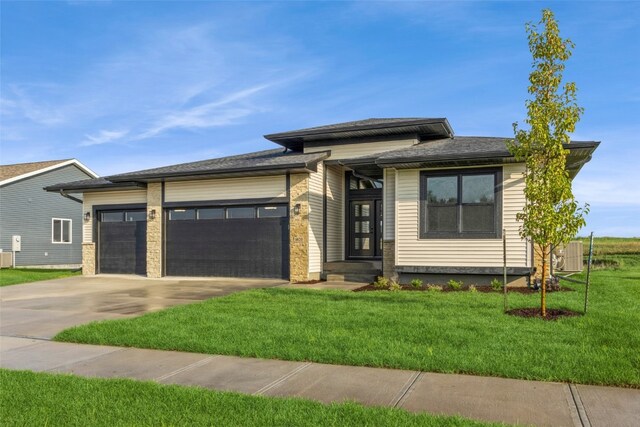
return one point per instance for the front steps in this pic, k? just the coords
(352, 271)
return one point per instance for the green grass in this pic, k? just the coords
(33, 399)
(14, 276)
(611, 245)
(459, 332)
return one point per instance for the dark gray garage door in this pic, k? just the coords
(122, 242)
(246, 241)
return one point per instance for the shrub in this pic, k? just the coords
(496, 285)
(473, 289)
(381, 283)
(394, 286)
(416, 283)
(456, 285)
(435, 288)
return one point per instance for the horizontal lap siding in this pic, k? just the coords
(388, 204)
(335, 213)
(316, 219)
(412, 251)
(226, 189)
(344, 150)
(108, 198)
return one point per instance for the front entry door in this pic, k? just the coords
(364, 217)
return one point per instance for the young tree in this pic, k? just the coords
(551, 215)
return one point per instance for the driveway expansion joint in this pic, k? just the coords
(402, 395)
(186, 368)
(282, 379)
(579, 406)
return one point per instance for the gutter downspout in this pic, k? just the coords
(75, 199)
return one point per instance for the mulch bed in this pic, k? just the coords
(483, 289)
(552, 313)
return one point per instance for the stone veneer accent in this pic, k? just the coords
(389, 258)
(154, 230)
(299, 228)
(88, 259)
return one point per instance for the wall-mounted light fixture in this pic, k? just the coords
(152, 214)
(87, 216)
(296, 209)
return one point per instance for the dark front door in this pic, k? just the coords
(364, 228)
(122, 242)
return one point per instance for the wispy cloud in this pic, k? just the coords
(221, 112)
(103, 137)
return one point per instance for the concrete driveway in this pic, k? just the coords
(42, 309)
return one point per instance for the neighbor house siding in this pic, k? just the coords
(316, 219)
(108, 198)
(226, 189)
(335, 213)
(389, 204)
(26, 209)
(412, 251)
(346, 150)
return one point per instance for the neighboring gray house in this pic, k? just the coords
(49, 226)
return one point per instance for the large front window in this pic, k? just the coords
(461, 204)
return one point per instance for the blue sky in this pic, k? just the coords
(124, 86)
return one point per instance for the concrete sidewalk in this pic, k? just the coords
(483, 398)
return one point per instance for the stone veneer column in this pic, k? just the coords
(88, 259)
(299, 228)
(389, 258)
(154, 230)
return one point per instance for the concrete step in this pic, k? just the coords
(359, 267)
(349, 277)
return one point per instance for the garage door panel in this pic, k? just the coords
(122, 247)
(228, 248)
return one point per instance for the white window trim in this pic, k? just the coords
(70, 231)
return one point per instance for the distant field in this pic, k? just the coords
(611, 245)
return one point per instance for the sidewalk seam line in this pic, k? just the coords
(186, 368)
(281, 379)
(582, 413)
(90, 359)
(406, 390)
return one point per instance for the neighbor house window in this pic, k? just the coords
(461, 204)
(60, 230)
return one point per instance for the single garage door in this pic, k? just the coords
(122, 241)
(240, 241)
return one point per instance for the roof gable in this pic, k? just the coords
(20, 171)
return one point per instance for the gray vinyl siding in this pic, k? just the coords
(26, 210)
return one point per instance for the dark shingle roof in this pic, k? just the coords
(91, 184)
(260, 162)
(276, 159)
(385, 127)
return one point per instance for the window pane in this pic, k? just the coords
(66, 231)
(57, 231)
(478, 218)
(211, 213)
(478, 188)
(136, 216)
(241, 213)
(442, 218)
(111, 216)
(442, 189)
(365, 243)
(272, 211)
(182, 214)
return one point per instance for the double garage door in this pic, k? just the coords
(235, 241)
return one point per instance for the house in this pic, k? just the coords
(49, 226)
(403, 195)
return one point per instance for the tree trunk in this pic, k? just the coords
(543, 292)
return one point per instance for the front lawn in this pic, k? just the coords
(38, 399)
(456, 332)
(14, 276)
